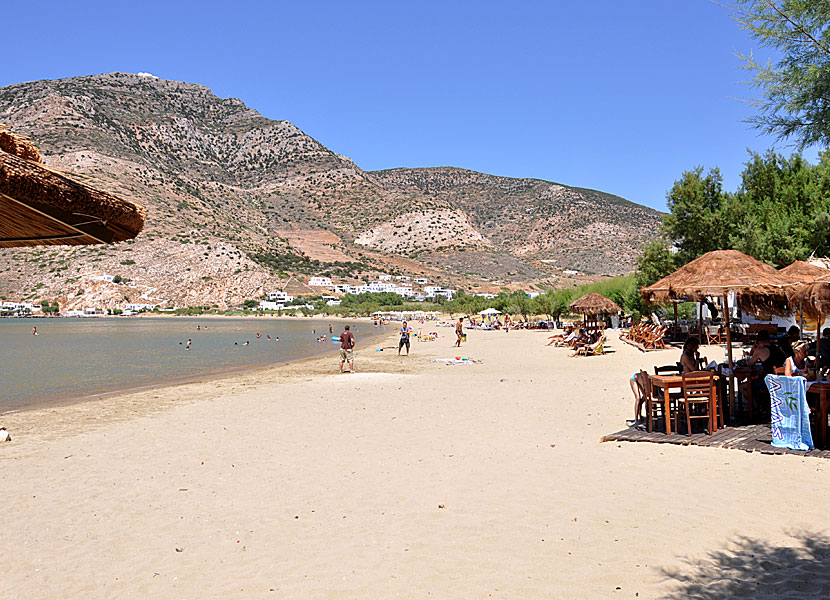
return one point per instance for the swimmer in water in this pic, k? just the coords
(258, 336)
(267, 337)
(34, 330)
(330, 329)
(189, 341)
(246, 343)
(198, 327)
(236, 343)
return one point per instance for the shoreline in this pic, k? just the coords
(47, 421)
(222, 373)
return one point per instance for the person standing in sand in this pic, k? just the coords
(347, 349)
(459, 331)
(406, 330)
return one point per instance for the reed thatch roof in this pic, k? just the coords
(44, 206)
(759, 287)
(18, 145)
(813, 298)
(803, 272)
(594, 304)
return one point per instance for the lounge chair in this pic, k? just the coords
(594, 349)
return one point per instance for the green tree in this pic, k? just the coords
(655, 262)
(795, 89)
(694, 224)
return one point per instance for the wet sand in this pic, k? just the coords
(407, 479)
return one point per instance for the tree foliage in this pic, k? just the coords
(795, 90)
(780, 214)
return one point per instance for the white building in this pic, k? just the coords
(434, 291)
(268, 305)
(385, 277)
(487, 296)
(402, 278)
(570, 272)
(421, 280)
(281, 297)
(320, 282)
(139, 307)
(406, 292)
(333, 303)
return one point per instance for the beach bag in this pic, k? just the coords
(463, 337)
(789, 412)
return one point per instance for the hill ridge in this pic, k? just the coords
(244, 201)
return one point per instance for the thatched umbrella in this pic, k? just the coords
(802, 272)
(594, 304)
(591, 306)
(757, 286)
(814, 299)
(44, 206)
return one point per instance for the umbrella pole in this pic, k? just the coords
(729, 356)
(700, 321)
(801, 322)
(675, 319)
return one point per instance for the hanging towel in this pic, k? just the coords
(790, 412)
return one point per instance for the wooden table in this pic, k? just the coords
(675, 382)
(821, 388)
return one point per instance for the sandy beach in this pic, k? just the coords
(408, 479)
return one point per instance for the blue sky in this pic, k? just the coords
(620, 96)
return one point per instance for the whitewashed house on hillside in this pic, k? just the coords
(320, 282)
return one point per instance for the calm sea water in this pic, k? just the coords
(71, 359)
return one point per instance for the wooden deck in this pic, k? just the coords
(750, 438)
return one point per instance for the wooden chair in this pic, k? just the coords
(655, 338)
(668, 370)
(654, 406)
(698, 392)
(716, 337)
(594, 349)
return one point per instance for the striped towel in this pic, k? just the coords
(790, 412)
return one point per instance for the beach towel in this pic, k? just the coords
(790, 412)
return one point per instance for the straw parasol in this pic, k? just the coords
(803, 272)
(757, 286)
(44, 206)
(814, 298)
(590, 306)
(594, 304)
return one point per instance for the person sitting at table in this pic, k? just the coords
(788, 339)
(794, 365)
(691, 357)
(766, 353)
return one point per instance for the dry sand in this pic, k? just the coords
(407, 479)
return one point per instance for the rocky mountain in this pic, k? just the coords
(237, 203)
